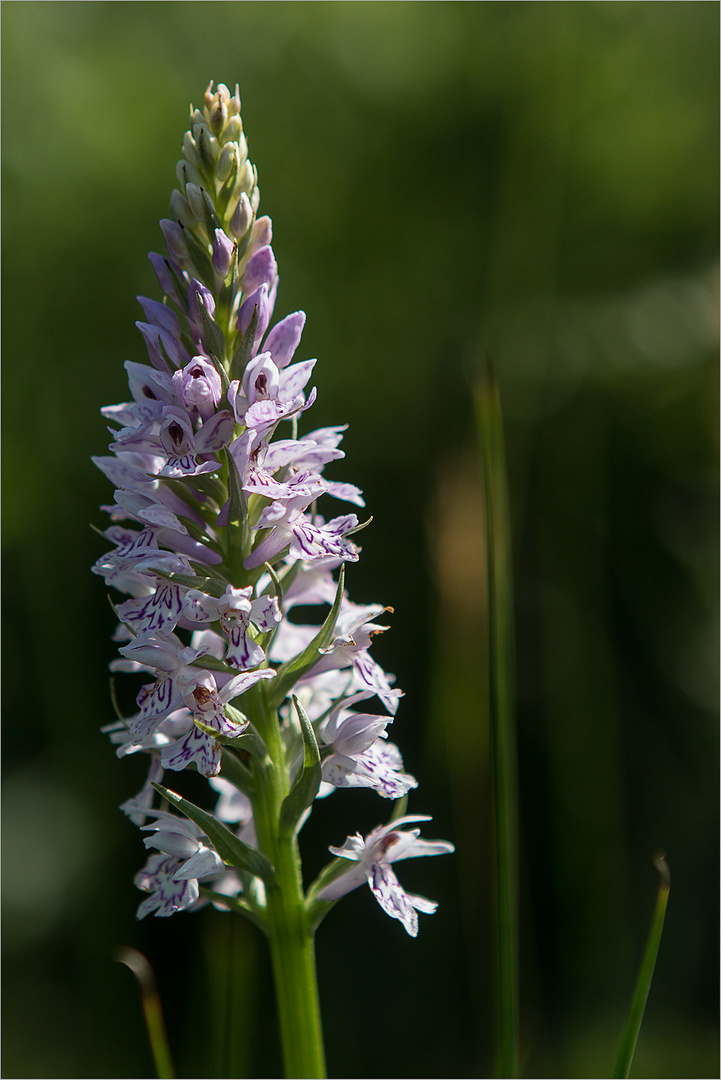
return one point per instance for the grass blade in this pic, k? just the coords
(152, 1009)
(645, 975)
(501, 692)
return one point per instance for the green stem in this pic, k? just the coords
(501, 683)
(288, 927)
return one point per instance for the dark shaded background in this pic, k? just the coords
(535, 179)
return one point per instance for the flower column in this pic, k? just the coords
(231, 311)
(217, 539)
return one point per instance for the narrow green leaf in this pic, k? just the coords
(212, 221)
(207, 483)
(234, 903)
(238, 508)
(231, 850)
(307, 782)
(213, 663)
(213, 338)
(318, 909)
(400, 808)
(645, 975)
(233, 769)
(165, 355)
(204, 570)
(249, 742)
(290, 672)
(199, 259)
(276, 582)
(244, 350)
(358, 528)
(180, 284)
(228, 291)
(206, 157)
(212, 586)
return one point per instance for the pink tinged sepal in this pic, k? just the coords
(371, 674)
(293, 379)
(300, 453)
(265, 613)
(174, 239)
(198, 294)
(168, 273)
(261, 301)
(377, 767)
(215, 433)
(163, 346)
(263, 415)
(284, 338)
(260, 269)
(300, 486)
(346, 492)
(204, 864)
(312, 585)
(148, 385)
(124, 471)
(356, 731)
(173, 835)
(149, 510)
(180, 838)
(157, 314)
(240, 683)
(199, 609)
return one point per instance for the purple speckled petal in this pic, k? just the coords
(167, 895)
(389, 893)
(153, 614)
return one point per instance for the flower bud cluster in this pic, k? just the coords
(216, 539)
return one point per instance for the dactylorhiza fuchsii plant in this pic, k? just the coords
(216, 539)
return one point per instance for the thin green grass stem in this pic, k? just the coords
(501, 693)
(152, 1010)
(645, 975)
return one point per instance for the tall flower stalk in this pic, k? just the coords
(216, 538)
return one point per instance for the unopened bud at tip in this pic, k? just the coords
(242, 217)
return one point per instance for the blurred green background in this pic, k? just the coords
(539, 180)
